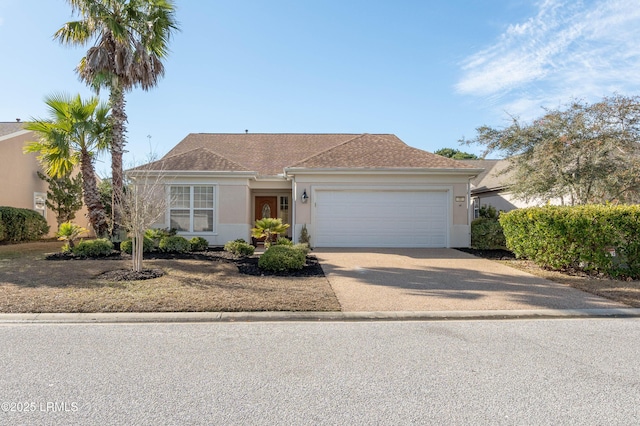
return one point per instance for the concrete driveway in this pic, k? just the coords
(441, 280)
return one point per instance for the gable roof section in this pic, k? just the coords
(378, 151)
(491, 178)
(8, 128)
(268, 154)
(198, 159)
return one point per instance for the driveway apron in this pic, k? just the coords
(441, 280)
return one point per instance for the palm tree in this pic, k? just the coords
(131, 39)
(74, 133)
(268, 227)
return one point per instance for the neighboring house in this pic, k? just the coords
(491, 187)
(20, 185)
(349, 190)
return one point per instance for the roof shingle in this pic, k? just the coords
(269, 153)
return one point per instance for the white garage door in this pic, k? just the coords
(367, 218)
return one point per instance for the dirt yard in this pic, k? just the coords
(30, 283)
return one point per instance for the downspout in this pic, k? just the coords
(294, 191)
(470, 210)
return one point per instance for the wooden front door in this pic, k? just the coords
(266, 207)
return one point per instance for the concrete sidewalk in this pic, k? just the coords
(394, 280)
(226, 317)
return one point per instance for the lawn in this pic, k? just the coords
(30, 283)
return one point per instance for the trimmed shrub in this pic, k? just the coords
(282, 241)
(239, 247)
(305, 238)
(93, 248)
(157, 234)
(21, 225)
(175, 244)
(147, 246)
(591, 238)
(303, 247)
(281, 258)
(486, 233)
(199, 244)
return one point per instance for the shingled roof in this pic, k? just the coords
(7, 128)
(268, 153)
(493, 178)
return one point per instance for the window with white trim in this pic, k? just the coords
(192, 208)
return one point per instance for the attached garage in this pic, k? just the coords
(381, 218)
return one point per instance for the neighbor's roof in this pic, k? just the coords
(491, 178)
(269, 153)
(7, 128)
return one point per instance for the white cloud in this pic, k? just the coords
(568, 49)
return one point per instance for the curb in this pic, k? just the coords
(226, 317)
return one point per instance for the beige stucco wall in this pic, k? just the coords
(232, 214)
(19, 180)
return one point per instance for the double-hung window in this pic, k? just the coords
(192, 208)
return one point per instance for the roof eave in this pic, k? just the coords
(383, 170)
(199, 173)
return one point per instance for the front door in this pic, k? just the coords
(266, 207)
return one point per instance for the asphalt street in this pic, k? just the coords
(498, 372)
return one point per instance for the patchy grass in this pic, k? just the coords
(627, 292)
(29, 283)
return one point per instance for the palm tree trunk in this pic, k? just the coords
(91, 196)
(119, 118)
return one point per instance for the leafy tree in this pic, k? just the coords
(583, 153)
(64, 196)
(129, 39)
(268, 227)
(74, 133)
(456, 154)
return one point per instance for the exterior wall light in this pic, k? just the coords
(304, 196)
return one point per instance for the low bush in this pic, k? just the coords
(282, 258)
(175, 244)
(303, 247)
(147, 246)
(486, 233)
(157, 234)
(199, 244)
(239, 247)
(3, 233)
(282, 241)
(21, 225)
(591, 238)
(93, 248)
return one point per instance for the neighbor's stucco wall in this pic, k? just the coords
(455, 186)
(19, 179)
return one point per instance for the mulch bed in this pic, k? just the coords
(493, 254)
(246, 265)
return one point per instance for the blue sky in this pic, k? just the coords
(429, 72)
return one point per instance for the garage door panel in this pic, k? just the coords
(361, 218)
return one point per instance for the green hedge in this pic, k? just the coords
(17, 225)
(93, 248)
(281, 258)
(147, 246)
(591, 238)
(175, 244)
(199, 244)
(486, 233)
